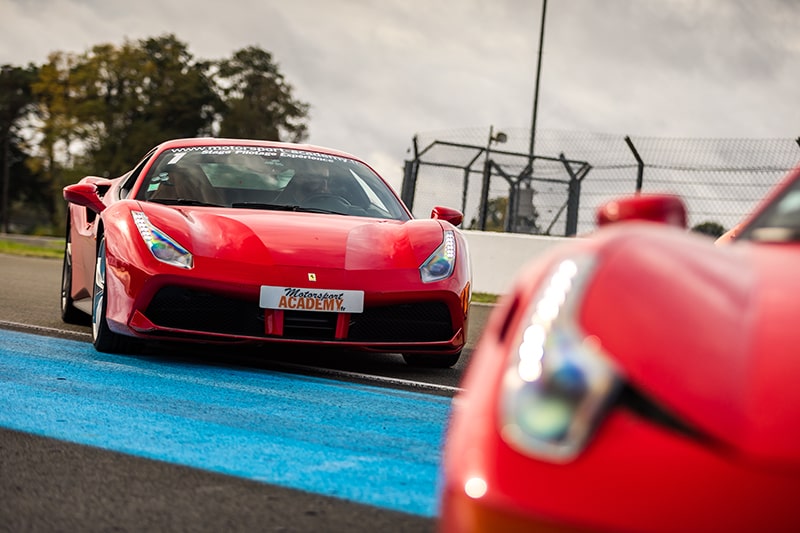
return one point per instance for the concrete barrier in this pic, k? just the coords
(497, 257)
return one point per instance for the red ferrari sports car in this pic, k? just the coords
(228, 240)
(642, 379)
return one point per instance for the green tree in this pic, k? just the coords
(496, 210)
(139, 94)
(16, 101)
(713, 229)
(58, 127)
(99, 112)
(258, 101)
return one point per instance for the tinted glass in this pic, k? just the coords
(780, 220)
(261, 177)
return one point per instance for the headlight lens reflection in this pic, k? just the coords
(161, 245)
(440, 264)
(557, 382)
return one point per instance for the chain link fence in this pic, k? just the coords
(499, 187)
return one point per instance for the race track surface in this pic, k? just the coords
(179, 440)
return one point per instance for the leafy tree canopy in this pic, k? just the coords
(713, 229)
(116, 102)
(15, 95)
(258, 100)
(496, 210)
(131, 97)
(16, 99)
(100, 111)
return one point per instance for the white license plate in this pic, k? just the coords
(300, 299)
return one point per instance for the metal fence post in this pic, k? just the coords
(573, 199)
(512, 207)
(484, 204)
(410, 171)
(639, 161)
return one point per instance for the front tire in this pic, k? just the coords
(429, 360)
(103, 338)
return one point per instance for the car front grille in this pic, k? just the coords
(309, 325)
(412, 322)
(203, 311)
(194, 310)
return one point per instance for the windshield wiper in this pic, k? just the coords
(261, 205)
(284, 207)
(183, 201)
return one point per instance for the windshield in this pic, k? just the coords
(269, 178)
(779, 221)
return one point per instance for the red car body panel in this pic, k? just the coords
(237, 250)
(705, 337)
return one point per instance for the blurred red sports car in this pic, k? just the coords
(639, 380)
(220, 240)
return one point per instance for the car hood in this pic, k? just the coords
(707, 332)
(291, 238)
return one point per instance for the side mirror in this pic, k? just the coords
(453, 216)
(662, 208)
(85, 195)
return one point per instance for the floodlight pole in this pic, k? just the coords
(536, 88)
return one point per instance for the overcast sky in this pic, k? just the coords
(376, 72)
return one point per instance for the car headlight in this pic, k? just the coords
(161, 245)
(557, 383)
(440, 264)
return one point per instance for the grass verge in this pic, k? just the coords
(30, 250)
(484, 298)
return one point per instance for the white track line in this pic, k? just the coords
(20, 325)
(370, 377)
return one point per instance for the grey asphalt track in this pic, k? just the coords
(49, 485)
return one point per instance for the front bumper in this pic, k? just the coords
(202, 306)
(401, 326)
